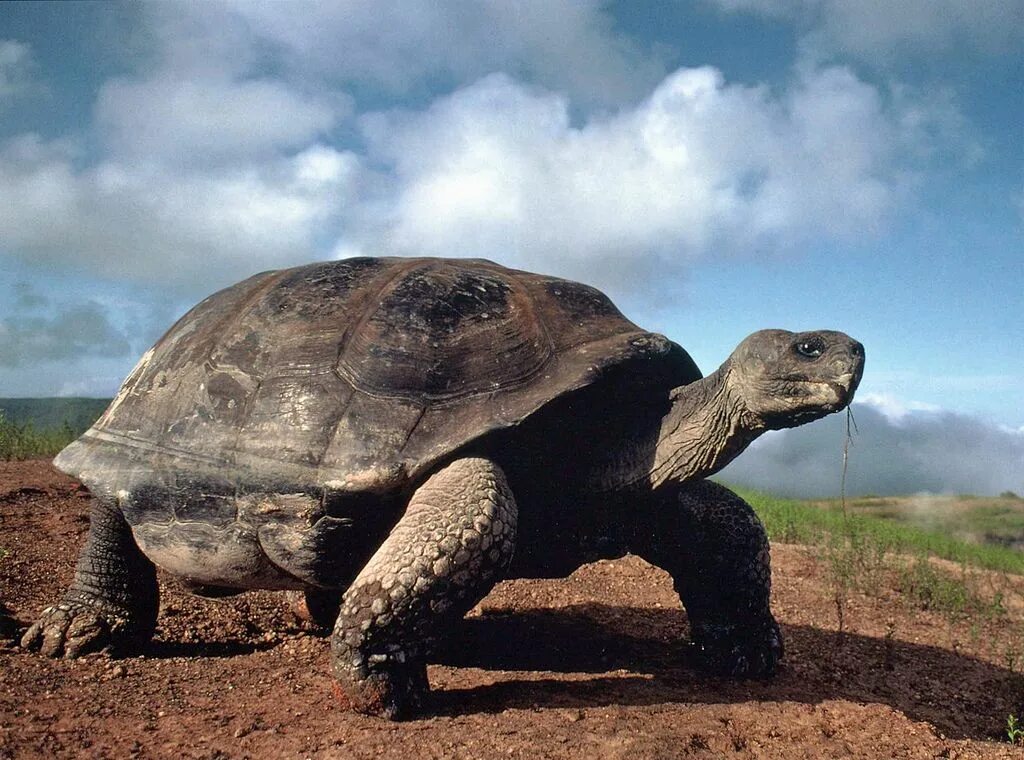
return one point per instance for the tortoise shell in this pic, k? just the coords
(359, 374)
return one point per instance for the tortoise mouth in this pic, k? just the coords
(839, 394)
(805, 401)
(844, 387)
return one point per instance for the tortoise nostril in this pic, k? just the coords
(857, 349)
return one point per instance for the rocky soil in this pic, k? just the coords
(591, 666)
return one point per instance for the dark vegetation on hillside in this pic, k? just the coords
(52, 413)
(40, 427)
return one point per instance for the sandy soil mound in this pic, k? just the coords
(591, 666)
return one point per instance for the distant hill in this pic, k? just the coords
(52, 413)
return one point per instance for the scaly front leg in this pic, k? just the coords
(453, 543)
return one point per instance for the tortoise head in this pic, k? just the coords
(786, 379)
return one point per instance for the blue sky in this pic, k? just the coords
(717, 166)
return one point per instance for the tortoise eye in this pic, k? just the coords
(812, 349)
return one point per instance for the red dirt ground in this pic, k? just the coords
(591, 666)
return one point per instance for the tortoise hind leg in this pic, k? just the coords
(317, 607)
(716, 550)
(453, 543)
(113, 599)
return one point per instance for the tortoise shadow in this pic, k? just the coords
(962, 696)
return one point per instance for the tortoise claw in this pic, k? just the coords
(70, 630)
(397, 692)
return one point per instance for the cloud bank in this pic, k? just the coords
(873, 29)
(899, 450)
(210, 167)
(700, 166)
(167, 225)
(405, 45)
(73, 333)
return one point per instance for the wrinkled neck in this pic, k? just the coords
(706, 428)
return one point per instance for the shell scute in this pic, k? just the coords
(436, 331)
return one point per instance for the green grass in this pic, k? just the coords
(1014, 731)
(870, 553)
(997, 522)
(975, 519)
(792, 521)
(955, 594)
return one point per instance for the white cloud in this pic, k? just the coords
(895, 409)
(204, 172)
(499, 169)
(908, 452)
(937, 384)
(881, 28)
(17, 69)
(190, 120)
(210, 168)
(404, 45)
(191, 227)
(207, 178)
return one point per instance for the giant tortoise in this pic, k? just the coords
(396, 435)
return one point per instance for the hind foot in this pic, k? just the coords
(71, 629)
(112, 601)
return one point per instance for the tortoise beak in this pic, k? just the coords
(849, 365)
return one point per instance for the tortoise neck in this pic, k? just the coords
(705, 429)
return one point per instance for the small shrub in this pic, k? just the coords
(889, 663)
(934, 589)
(1011, 657)
(1014, 731)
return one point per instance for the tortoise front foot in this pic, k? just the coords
(71, 629)
(454, 541)
(739, 650)
(392, 686)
